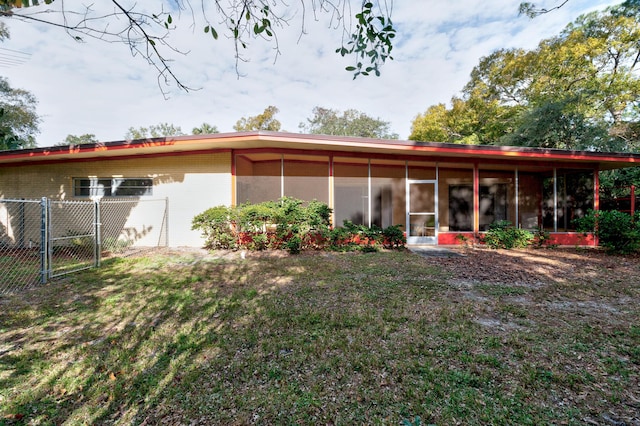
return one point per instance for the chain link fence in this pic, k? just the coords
(44, 239)
(71, 236)
(21, 251)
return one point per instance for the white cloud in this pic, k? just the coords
(96, 87)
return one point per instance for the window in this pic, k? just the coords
(493, 206)
(112, 187)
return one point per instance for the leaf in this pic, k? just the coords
(350, 68)
(206, 29)
(169, 19)
(214, 33)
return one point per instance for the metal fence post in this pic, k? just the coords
(98, 239)
(44, 243)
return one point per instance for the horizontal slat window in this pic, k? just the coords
(112, 187)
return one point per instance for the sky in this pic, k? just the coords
(100, 88)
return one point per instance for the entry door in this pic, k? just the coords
(422, 212)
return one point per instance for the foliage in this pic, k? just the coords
(542, 238)
(154, 131)
(552, 126)
(372, 40)
(18, 119)
(577, 90)
(503, 235)
(393, 237)
(205, 129)
(617, 231)
(614, 183)
(87, 138)
(215, 225)
(269, 225)
(327, 121)
(146, 30)
(264, 121)
(354, 237)
(289, 224)
(469, 121)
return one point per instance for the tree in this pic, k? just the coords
(469, 121)
(264, 121)
(591, 67)
(18, 119)
(351, 122)
(85, 139)
(551, 125)
(205, 129)
(578, 90)
(367, 35)
(154, 131)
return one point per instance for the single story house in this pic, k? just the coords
(435, 191)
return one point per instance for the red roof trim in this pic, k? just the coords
(332, 144)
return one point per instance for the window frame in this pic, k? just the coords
(109, 187)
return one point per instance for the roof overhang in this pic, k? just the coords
(318, 143)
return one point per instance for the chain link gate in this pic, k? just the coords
(72, 236)
(43, 239)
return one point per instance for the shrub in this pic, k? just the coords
(542, 238)
(394, 237)
(217, 225)
(502, 234)
(616, 231)
(289, 224)
(271, 224)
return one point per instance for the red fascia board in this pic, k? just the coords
(333, 144)
(119, 157)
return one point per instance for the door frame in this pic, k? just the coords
(416, 240)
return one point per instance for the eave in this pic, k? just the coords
(181, 145)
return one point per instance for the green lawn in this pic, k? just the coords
(331, 339)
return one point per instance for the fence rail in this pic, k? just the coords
(627, 203)
(43, 239)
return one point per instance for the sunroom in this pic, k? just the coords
(435, 199)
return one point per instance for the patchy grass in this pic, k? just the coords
(334, 338)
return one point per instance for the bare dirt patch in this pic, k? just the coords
(538, 267)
